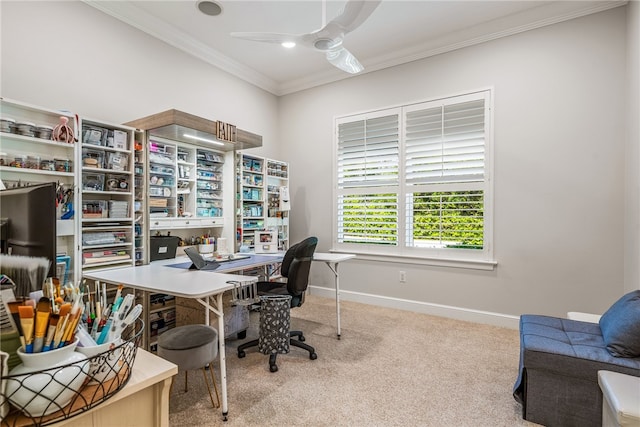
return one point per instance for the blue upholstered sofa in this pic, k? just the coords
(557, 382)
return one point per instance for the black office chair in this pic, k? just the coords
(295, 268)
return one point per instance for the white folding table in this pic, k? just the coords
(202, 286)
(332, 260)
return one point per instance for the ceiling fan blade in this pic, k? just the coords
(344, 60)
(354, 14)
(267, 37)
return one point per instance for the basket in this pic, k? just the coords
(115, 366)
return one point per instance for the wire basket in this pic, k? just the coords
(244, 293)
(66, 390)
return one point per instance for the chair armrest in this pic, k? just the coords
(584, 317)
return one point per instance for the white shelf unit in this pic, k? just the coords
(250, 210)
(185, 176)
(107, 199)
(209, 179)
(185, 186)
(140, 198)
(258, 183)
(161, 317)
(277, 217)
(162, 188)
(26, 159)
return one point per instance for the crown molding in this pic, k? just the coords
(504, 27)
(541, 16)
(138, 18)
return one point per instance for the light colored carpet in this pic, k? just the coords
(391, 368)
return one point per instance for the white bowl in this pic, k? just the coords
(51, 386)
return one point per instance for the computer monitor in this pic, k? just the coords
(30, 216)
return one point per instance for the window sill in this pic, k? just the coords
(472, 264)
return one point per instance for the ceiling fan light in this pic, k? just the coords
(288, 44)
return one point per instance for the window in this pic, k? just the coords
(414, 181)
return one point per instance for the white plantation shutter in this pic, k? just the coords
(445, 143)
(414, 180)
(368, 168)
(368, 152)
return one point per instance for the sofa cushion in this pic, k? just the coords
(620, 326)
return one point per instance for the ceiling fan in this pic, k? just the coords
(327, 39)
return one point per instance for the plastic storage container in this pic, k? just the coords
(33, 162)
(18, 161)
(7, 125)
(63, 165)
(44, 132)
(26, 129)
(47, 165)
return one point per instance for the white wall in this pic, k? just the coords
(560, 117)
(559, 134)
(632, 157)
(68, 55)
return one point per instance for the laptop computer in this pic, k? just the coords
(198, 262)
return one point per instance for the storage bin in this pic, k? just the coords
(47, 165)
(26, 128)
(33, 162)
(19, 161)
(7, 125)
(117, 183)
(158, 203)
(94, 135)
(92, 159)
(93, 182)
(44, 132)
(117, 161)
(163, 247)
(63, 165)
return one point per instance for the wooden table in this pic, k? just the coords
(143, 402)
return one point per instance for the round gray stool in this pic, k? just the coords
(191, 347)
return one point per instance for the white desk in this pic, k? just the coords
(332, 260)
(199, 285)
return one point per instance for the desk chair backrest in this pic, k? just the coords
(296, 265)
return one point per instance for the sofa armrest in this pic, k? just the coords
(584, 317)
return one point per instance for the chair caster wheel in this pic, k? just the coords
(273, 368)
(241, 354)
(313, 356)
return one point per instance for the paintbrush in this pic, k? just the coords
(53, 323)
(26, 320)
(42, 321)
(62, 323)
(74, 327)
(72, 322)
(13, 308)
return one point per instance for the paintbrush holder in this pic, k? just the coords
(46, 382)
(105, 359)
(34, 402)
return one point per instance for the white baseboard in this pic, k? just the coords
(459, 313)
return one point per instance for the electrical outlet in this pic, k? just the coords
(403, 276)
